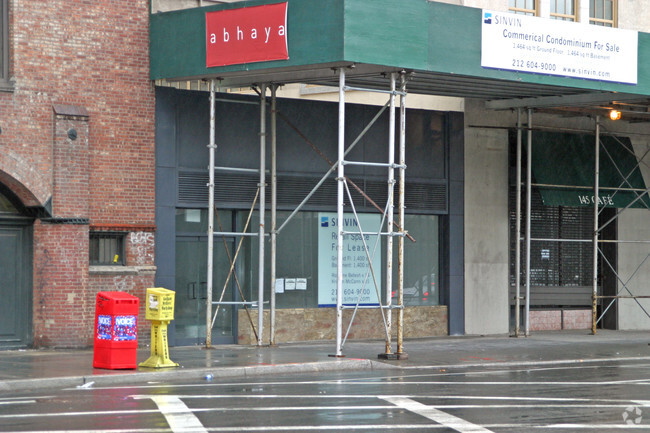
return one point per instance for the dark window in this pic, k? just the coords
(4, 42)
(107, 249)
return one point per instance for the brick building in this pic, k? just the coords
(76, 164)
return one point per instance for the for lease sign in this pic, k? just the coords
(553, 47)
(246, 35)
(358, 281)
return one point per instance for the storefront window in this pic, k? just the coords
(421, 271)
(299, 253)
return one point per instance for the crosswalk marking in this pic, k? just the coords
(444, 418)
(178, 415)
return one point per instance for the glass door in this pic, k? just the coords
(191, 291)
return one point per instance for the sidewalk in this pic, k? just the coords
(36, 369)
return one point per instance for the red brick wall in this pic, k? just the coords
(65, 292)
(134, 284)
(71, 168)
(62, 310)
(94, 55)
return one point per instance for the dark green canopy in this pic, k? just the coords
(569, 160)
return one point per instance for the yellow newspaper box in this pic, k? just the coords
(160, 304)
(160, 310)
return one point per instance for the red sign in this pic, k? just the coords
(245, 35)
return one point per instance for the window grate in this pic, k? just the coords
(236, 190)
(107, 249)
(559, 264)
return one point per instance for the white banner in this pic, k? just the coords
(555, 47)
(358, 285)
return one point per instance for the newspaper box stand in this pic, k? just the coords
(116, 331)
(160, 310)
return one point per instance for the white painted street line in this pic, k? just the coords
(282, 428)
(4, 403)
(71, 414)
(369, 427)
(444, 418)
(510, 383)
(321, 407)
(602, 427)
(403, 380)
(173, 405)
(182, 419)
(40, 397)
(372, 396)
(178, 415)
(505, 371)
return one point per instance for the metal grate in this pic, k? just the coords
(555, 263)
(560, 272)
(238, 190)
(107, 249)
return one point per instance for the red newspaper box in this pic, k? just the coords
(116, 331)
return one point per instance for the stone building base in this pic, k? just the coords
(314, 324)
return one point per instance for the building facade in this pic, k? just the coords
(480, 296)
(622, 270)
(76, 165)
(103, 187)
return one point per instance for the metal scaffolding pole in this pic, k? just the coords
(518, 230)
(262, 186)
(390, 214)
(339, 212)
(343, 182)
(529, 166)
(274, 202)
(402, 206)
(594, 302)
(370, 272)
(211, 146)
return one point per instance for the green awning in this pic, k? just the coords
(567, 161)
(440, 42)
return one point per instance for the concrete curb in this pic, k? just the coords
(525, 363)
(181, 373)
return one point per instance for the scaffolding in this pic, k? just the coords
(388, 227)
(396, 229)
(597, 228)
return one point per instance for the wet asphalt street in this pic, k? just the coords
(601, 396)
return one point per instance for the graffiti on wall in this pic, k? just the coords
(142, 247)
